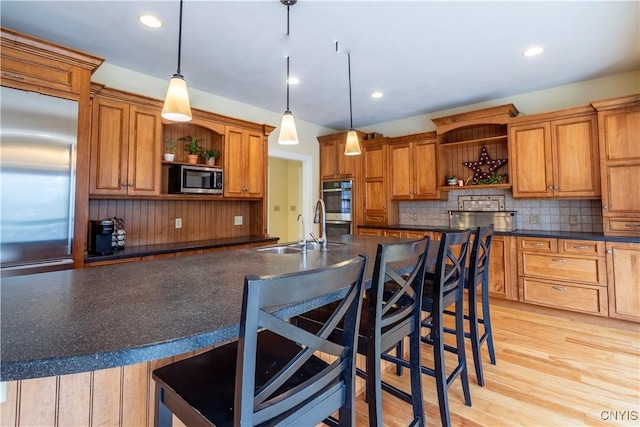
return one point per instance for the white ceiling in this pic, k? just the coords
(425, 56)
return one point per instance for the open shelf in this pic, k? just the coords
(475, 142)
(473, 187)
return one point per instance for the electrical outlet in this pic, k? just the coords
(415, 217)
(276, 208)
(237, 220)
(534, 219)
(292, 208)
(573, 219)
(178, 222)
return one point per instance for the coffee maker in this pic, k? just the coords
(101, 237)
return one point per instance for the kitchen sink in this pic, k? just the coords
(292, 248)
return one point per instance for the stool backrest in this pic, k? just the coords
(450, 267)
(395, 295)
(480, 253)
(328, 391)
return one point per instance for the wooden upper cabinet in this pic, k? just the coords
(619, 132)
(244, 163)
(125, 148)
(36, 65)
(412, 167)
(555, 158)
(333, 163)
(375, 192)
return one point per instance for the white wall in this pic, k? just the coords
(558, 98)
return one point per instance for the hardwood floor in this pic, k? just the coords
(551, 371)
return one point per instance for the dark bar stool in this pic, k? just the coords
(272, 377)
(441, 290)
(478, 275)
(393, 312)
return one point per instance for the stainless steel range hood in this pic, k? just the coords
(502, 220)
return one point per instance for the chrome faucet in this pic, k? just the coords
(320, 218)
(303, 240)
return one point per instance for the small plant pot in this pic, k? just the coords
(193, 158)
(211, 161)
(169, 157)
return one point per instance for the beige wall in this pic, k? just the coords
(557, 98)
(284, 199)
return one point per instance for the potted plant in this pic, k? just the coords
(451, 179)
(192, 147)
(170, 145)
(210, 156)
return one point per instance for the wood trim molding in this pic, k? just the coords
(414, 137)
(554, 115)
(628, 101)
(457, 120)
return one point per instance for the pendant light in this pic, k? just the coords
(288, 134)
(176, 105)
(352, 147)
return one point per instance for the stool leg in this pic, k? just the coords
(416, 379)
(373, 385)
(462, 359)
(486, 316)
(474, 333)
(164, 417)
(440, 373)
(399, 355)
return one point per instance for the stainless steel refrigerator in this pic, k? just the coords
(38, 135)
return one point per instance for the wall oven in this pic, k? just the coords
(337, 197)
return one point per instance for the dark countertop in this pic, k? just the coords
(144, 250)
(518, 233)
(94, 318)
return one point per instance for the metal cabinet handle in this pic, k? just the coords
(605, 207)
(560, 260)
(559, 288)
(12, 76)
(581, 247)
(550, 187)
(632, 225)
(537, 244)
(130, 184)
(556, 187)
(124, 184)
(609, 251)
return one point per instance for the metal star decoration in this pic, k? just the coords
(484, 160)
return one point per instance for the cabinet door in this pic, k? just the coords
(109, 147)
(401, 176)
(531, 160)
(347, 165)
(234, 165)
(623, 271)
(145, 141)
(502, 271)
(328, 167)
(576, 167)
(375, 190)
(254, 168)
(424, 171)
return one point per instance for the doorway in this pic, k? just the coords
(289, 190)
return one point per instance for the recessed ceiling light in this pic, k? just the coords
(150, 21)
(377, 94)
(533, 51)
(293, 81)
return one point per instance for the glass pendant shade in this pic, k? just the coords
(288, 134)
(352, 147)
(176, 105)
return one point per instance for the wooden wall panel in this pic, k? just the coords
(74, 399)
(135, 394)
(37, 404)
(149, 222)
(106, 397)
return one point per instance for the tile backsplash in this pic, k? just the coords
(538, 214)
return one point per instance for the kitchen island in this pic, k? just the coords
(84, 320)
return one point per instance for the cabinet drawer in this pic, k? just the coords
(587, 247)
(586, 270)
(39, 71)
(392, 233)
(583, 298)
(622, 226)
(375, 219)
(538, 244)
(416, 234)
(369, 232)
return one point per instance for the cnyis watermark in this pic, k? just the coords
(626, 415)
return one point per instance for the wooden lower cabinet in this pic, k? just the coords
(563, 273)
(623, 271)
(370, 232)
(502, 268)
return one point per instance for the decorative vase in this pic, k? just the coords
(211, 161)
(193, 158)
(452, 181)
(169, 157)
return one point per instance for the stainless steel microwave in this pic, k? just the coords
(195, 179)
